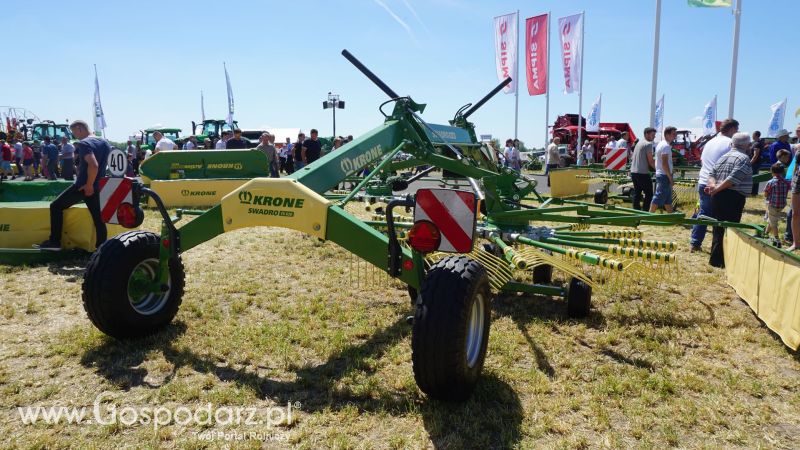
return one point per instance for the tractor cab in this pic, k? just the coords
(38, 131)
(212, 128)
(149, 142)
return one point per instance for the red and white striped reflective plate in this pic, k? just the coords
(616, 159)
(113, 192)
(453, 212)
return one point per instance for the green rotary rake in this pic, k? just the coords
(453, 248)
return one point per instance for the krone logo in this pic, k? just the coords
(245, 197)
(185, 192)
(349, 165)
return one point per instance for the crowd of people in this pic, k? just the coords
(728, 163)
(50, 158)
(286, 157)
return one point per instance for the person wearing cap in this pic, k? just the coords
(641, 164)
(93, 153)
(236, 142)
(712, 151)
(664, 180)
(782, 143)
(729, 183)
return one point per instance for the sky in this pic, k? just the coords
(154, 57)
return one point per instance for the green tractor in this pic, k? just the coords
(38, 131)
(149, 142)
(211, 128)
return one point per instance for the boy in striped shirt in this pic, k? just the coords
(776, 192)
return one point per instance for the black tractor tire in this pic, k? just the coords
(601, 196)
(579, 298)
(627, 191)
(451, 328)
(121, 264)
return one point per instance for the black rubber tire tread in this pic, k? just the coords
(579, 299)
(438, 341)
(105, 297)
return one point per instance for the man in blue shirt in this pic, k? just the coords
(781, 144)
(92, 153)
(50, 154)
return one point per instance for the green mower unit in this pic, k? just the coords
(461, 247)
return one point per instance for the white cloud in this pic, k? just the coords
(399, 21)
(414, 13)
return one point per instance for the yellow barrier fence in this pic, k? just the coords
(768, 280)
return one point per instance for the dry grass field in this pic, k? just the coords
(272, 318)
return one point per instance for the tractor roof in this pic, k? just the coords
(163, 130)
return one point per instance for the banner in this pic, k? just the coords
(710, 117)
(776, 120)
(202, 109)
(571, 36)
(710, 3)
(659, 119)
(593, 121)
(230, 97)
(536, 54)
(505, 47)
(99, 117)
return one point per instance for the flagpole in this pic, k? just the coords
(547, 87)
(737, 15)
(655, 65)
(580, 84)
(516, 85)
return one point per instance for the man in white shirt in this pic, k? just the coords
(664, 180)
(512, 155)
(712, 151)
(222, 143)
(588, 151)
(553, 157)
(162, 143)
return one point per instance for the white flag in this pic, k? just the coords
(710, 117)
(99, 117)
(202, 108)
(659, 121)
(505, 46)
(571, 34)
(593, 121)
(776, 122)
(230, 97)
